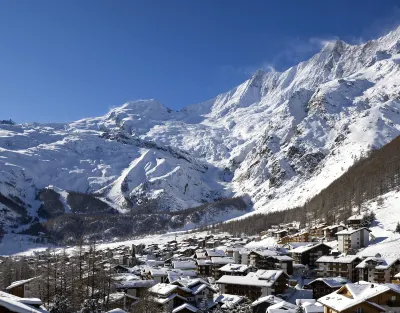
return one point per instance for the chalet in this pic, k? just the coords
(378, 270)
(354, 221)
(317, 230)
(279, 234)
(363, 297)
(217, 263)
(204, 268)
(352, 239)
(168, 296)
(293, 245)
(21, 288)
(271, 260)
(308, 254)
(334, 266)
(330, 231)
(256, 284)
(324, 286)
(300, 237)
(201, 291)
(235, 269)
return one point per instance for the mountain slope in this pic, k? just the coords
(278, 137)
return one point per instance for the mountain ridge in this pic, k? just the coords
(279, 138)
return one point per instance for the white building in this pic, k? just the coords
(353, 239)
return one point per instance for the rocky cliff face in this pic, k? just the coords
(278, 137)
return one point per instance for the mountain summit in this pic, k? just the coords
(279, 138)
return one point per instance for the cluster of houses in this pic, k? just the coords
(200, 274)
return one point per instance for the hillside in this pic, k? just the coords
(278, 139)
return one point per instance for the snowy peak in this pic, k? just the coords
(279, 138)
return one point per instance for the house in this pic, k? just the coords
(378, 270)
(263, 303)
(352, 239)
(235, 269)
(201, 291)
(354, 221)
(307, 255)
(330, 231)
(363, 297)
(256, 284)
(317, 230)
(335, 266)
(279, 234)
(21, 288)
(169, 296)
(13, 304)
(323, 286)
(271, 260)
(293, 245)
(184, 265)
(303, 236)
(204, 268)
(217, 263)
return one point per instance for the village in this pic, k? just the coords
(312, 270)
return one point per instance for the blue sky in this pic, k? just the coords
(65, 60)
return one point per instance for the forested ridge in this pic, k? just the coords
(368, 178)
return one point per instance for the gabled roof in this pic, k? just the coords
(360, 292)
(333, 282)
(261, 278)
(347, 259)
(20, 282)
(306, 248)
(234, 268)
(381, 263)
(270, 299)
(185, 306)
(20, 305)
(352, 231)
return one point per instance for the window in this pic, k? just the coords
(393, 298)
(359, 310)
(26, 287)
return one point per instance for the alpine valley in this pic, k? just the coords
(269, 144)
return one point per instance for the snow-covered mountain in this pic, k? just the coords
(280, 137)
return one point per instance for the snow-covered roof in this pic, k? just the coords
(381, 263)
(337, 259)
(20, 305)
(215, 253)
(281, 307)
(19, 283)
(266, 252)
(232, 268)
(135, 284)
(116, 311)
(352, 231)
(270, 299)
(308, 247)
(228, 300)
(184, 264)
(185, 306)
(357, 217)
(333, 282)
(163, 289)
(222, 260)
(261, 278)
(360, 293)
